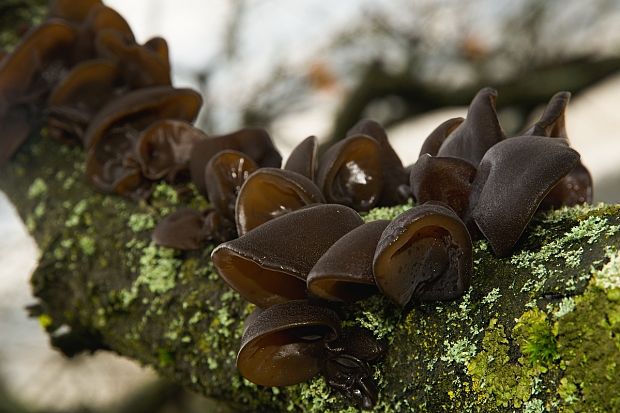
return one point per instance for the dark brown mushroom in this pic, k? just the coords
(424, 254)
(478, 132)
(27, 75)
(350, 173)
(140, 66)
(78, 97)
(142, 107)
(344, 273)
(513, 178)
(304, 158)
(285, 344)
(576, 187)
(269, 193)
(394, 174)
(438, 136)
(224, 175)
(443, 179)
(256, 143)
(111, 164)
(163, 149)
(182, 229)
(269, 264)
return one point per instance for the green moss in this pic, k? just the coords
(496, 379)
(536, 338)
(87, 245)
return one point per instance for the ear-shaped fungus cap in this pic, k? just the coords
(394, 173)
(224, 175)
(285, 344)
(304, 158)
(25, 74)
(443, 179)
(269, 193)
(78, 96)
(141, 108)
(269, 264)
(576, 187)
(256, 143)
(438, 136)
(513, 178)
(25, 79)
(424, 254)
(344, 272)
(351, 174)
(141, 66)
(163, 149)
(480, 130)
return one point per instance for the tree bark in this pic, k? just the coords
(540, 329)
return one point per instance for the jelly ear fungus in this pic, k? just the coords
(424, 254)
(269, 264)
(513, 178)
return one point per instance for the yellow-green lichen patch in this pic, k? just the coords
(496, 379)
(37, 189)
(141, 222)
(588, 342)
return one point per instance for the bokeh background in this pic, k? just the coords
(312, 67)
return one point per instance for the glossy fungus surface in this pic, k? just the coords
(269, 193)
(269, 264)
(424, 254)
(350, 173)
(285, 344)
(224, 175)
(254, 142)
(394, 174)
(344, 273)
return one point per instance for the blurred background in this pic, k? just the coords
(312, 67)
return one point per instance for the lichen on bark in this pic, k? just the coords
(537, 331)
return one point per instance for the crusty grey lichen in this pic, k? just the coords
(538, 331)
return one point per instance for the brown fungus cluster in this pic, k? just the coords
(292, 241)
(83, 72)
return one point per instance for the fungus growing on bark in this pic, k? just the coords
(256, 143)
(438, 136)
(285, 344)
(304, 158)
(344, 273)
(350, 173)
(513, 178)
(394, 174)
(183, 229)
(269, 193)
(478, 132)
(424, 254)
(269, 264)
(224, 176)
(443, 179)
(576, 187)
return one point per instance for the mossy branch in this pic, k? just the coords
(539, 330)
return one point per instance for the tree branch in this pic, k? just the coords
(539, 329)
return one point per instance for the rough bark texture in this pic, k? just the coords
(539, 330)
